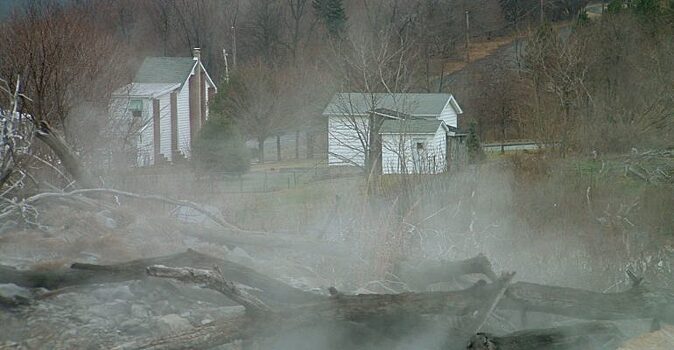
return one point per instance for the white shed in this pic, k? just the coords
(410, 119)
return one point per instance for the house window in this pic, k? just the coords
(136, 108)
(420, 146)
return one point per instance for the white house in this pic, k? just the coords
(416, 130)
(161, 111)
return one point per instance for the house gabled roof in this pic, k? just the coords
(151, 90)
(410, 126)
(168, 70)
(414, 104)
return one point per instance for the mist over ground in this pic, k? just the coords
(337, 174)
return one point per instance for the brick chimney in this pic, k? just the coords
(195, 96)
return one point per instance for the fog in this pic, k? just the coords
(336, 174)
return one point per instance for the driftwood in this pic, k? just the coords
(80, 274)
(212, 280)
(261, 321)
(418, 276)
(638, 302)
(576, 337)
(279, 308)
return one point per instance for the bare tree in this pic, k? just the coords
(500, 104)
(384, 63)
(256, 101)
(15, 138)
(265, 29)
(299, 11)
(66, 58)
(558, 69)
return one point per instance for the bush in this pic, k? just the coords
(220, 147)
(475, 152)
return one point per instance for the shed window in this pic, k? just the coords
(136, 107)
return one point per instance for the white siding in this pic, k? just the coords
(345, 140)
(400, 155)
(145, 156)
(184, 120)
(165, 126)
(391, 148)
(439, 151)
(449, 116)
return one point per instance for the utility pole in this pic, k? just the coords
(467, 37)
(234, 46)
(542, 12)
(224, 55)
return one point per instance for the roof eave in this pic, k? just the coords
(406, 133)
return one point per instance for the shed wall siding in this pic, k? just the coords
(439, 151)
(389, 154)
(449, 116)
(344, 140)
(400, 156)
(165, 126)
(145, 156)
(184, 121)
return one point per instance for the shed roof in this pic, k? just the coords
(165, 70)
(415, 104)
(152, 90)
(410, 126)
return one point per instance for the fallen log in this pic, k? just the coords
(477, 319)
(212, 280)
(81, 274)
(596, 336)
(638, 302)
(265, 322)
(418, 276)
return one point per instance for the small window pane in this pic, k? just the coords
(136, 105)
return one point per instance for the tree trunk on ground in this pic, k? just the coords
(639, 302)
(261, 322)
(418, 276)
(576, 337)
(472, 305)
(635, 303)
(82, 274)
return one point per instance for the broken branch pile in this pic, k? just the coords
(273, 307)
